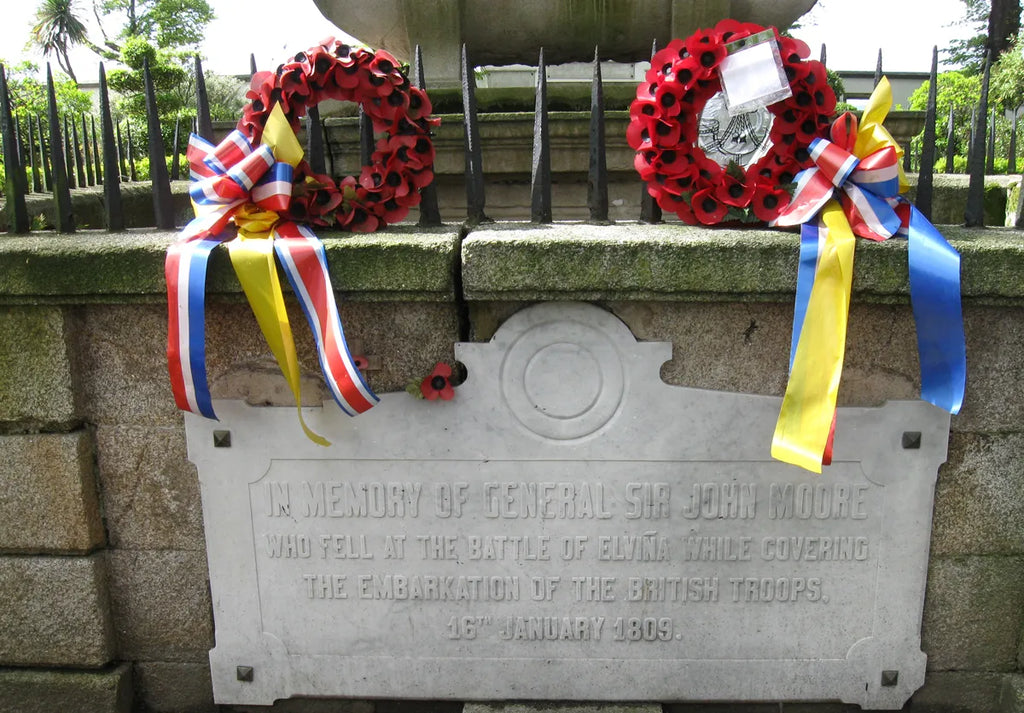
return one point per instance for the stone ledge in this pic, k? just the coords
(631, 261)
(514, 261)
(34, 691)
(402, 263)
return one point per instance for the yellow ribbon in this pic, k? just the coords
(801, 433)
(871, 135)
(252, 256)
(808, 407)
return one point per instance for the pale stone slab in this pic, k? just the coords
(568, 528)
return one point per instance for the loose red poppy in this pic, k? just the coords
(438, 384)
(401, 164)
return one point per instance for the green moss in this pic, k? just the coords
(675, 262)
(402, 263)
(511, 261)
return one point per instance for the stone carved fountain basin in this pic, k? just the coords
(513, 31)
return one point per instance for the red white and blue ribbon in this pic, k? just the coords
(302, 256)
(235, 182)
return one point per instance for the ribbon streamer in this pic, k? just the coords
(234, 182)
(808, 408)
(854, 190)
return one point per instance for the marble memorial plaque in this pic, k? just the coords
(569, 527)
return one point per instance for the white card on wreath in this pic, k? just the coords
(752, 74)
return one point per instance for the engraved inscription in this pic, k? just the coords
(616, 555)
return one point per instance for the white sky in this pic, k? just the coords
(848, 28)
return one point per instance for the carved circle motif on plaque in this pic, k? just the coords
(562, 380)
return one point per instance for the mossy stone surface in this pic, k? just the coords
(514, 261)
(34, 691)
(402, 263)
(680, 262)
(36, 384)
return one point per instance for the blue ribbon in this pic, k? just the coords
(810, 240)
(198, 259)
(934, 267)
(935, 298)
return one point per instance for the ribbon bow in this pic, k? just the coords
(251, 187)
(854, 190)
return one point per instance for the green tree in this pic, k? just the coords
(28, 98)
(168, 24)
(58, 28)
(1007, 85)
(955, 89)
(994, 24)
(961, 91)
(28, 93)
(165, 67)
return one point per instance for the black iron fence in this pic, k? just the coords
(57, 154)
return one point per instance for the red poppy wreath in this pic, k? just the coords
(404, 154)
(665, 124)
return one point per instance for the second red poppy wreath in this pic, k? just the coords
(665, 123)
(403, 159)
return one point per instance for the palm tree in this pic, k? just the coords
(57, 30)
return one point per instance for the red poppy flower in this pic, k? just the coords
(359, 361)
(679, 185)
(343, 76)
(707, 52)
(792, 50)
(670, 99)
(686, 71)
(413, 152)
(438, 385)
(639, 134)
(314, 200)
(395, 181)
(709, 172)
(680, 205)
(807, 128)
(768, 201)
(775, 170)
(676, 163)
(343, 53)
(666, 134)
(420, 179)
(707, 207)
(295, 85)
(419, 104)
(796, 72)
(391, 211)
(734, 192)
(816, 83)
(730, 30)
(357, 218)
